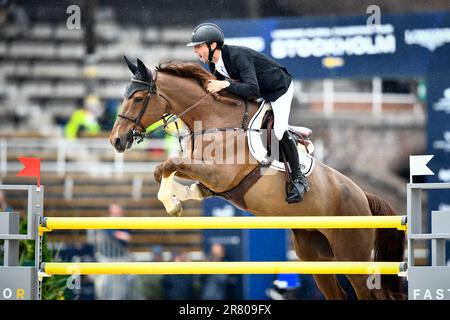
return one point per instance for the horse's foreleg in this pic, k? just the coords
(167, 197)
(158, 173)
(171, 192)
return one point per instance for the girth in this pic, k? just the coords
(237, 193)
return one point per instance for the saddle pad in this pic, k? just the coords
(259, 151)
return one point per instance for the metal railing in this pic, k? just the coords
(108, 249)
(328, 97)
(84, 155)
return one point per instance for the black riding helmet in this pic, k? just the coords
(207, 33)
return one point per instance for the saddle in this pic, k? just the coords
(302, 136)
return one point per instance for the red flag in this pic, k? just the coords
(32, 168)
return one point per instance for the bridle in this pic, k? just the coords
(137, 121)
(140, 135)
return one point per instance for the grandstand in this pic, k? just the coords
(44, 67)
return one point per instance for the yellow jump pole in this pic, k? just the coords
(283, 222)
(301, 267)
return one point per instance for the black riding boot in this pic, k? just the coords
(299, 183)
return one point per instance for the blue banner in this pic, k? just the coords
(245, 245)
(332, 47)
(438, 136)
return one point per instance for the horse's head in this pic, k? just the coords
(141, 107)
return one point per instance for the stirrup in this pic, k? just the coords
(295, 194)
(303, 181)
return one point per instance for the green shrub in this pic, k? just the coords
(53, 288)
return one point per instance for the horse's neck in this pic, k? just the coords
(184, 93)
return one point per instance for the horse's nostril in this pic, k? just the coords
(117, 143)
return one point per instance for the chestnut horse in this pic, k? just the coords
(179, 89)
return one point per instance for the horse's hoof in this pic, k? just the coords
(176, 212)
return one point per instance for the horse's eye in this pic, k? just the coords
(137, 99)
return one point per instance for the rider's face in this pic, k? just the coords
(202, 51)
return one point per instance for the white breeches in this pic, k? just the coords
(281, 109)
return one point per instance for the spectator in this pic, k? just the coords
(294, 287)
(122, 236)
(82, 120)
(215, 286)
(3, 11)
(178, 286)
(157, 253)
(151, 285)
(110, 114)
(4, 206)
(15, 14)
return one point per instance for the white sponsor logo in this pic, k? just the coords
(428, 38)
(255, 43)
(336, 41)
(443, 144)
(444, 103)
(444, 175)
(225, 211)
(430, 294)
(444, 206)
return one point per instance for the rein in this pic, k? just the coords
(139, 136)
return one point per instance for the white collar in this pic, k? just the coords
(220, 66)
(220, 61)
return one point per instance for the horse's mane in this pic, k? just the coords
(187, 70)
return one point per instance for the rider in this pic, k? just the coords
(259, 76)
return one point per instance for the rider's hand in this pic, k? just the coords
(217, 85)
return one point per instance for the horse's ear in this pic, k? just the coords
(133, 68)
(143, 71)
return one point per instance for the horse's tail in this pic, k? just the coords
(389, 246)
